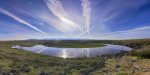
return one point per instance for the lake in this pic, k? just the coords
(75, 52)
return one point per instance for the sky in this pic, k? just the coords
(88, 19)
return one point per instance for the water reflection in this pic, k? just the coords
(75, 52)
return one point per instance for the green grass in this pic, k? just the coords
(76, 45)
(19, 62)
(143, 52)
(73, 44)
(28, 63)
(60, 43)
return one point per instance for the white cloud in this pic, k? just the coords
(66, 25)
(20, 20)
(142, 32)
(86, 9)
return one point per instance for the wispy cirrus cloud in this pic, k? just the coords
(57, 9)
(141, 32)
(75, 18)
(20, 20)
(114, 12)
(86, 9)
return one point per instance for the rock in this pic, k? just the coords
(117, 66)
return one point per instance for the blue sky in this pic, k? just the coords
(94, 19)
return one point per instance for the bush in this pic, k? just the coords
(44, 73)
(122, 73)
(142, 53)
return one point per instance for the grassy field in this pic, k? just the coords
(13, 61)
(58, 43)
(19, 62)
(73, 44)
(135, 43)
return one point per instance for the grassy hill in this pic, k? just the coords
(19, 62)
(13, 61)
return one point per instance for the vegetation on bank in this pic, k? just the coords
(18, 62)
(66, 44)
(58, 43)
(135, 43)
(142, 52)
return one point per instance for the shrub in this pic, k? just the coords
(142, 53)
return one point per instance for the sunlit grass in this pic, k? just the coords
(28, 63)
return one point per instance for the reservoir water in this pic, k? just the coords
(75, 52)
